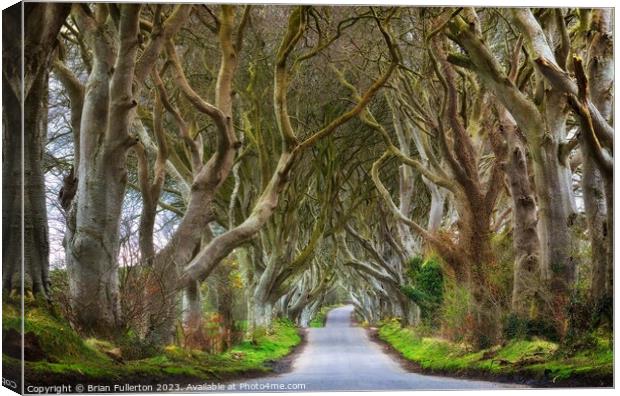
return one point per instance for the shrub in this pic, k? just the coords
(425, 287)
(584, 317)
(134, 347)
(456, 318)
(59, 296)
(519, 328)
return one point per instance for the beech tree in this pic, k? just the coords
(222, 245)
(27, 92)
(106, 113)
(242, 163)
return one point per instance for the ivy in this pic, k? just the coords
(425, 286)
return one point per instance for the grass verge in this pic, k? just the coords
(320, 317)
(534, 362)
(64, 357)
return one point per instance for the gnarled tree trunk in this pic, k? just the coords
(92, 238)
(526, 275)
(545, 130)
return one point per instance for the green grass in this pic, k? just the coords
(536, 359)
(321, 316)
(56, 338)
(68, 354)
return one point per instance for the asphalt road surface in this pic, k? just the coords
(341, 357)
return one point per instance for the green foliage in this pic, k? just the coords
(455, 315)
(534, 358)
(59, 283)
(584, 318)
(318, 320)
(241, 325)
(415, 263)
(257, 333)
(425, 286)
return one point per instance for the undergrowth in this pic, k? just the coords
(535, 358)
(66, 353)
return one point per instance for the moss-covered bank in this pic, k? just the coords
(61, 356)
(534, 362)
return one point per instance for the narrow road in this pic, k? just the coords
(341, 357)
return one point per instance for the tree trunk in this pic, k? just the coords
(36, 243)
(480, 265)
(556, 211)
(597, 192)
(262, 314)
(596, 215)
(438, 195)
(309, 312)
(438, 199)
(544, 130)
(92, 237)
(42, 24)
(526, 279)
(204, 263)
(192, 320)
(221, 246)
(406, 193)
(406, 179)
(261, 300)
(225, 299)
(11, 178)
(409, 311)
(92, 244)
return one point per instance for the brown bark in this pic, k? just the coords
(598, 174)
(555, 211)
(11, 150)
(75, 90)
(36, 244)
(194, 336)
(11, 153)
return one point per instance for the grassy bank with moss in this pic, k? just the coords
(534, 362)
(56, 354)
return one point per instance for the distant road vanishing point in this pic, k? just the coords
(341, 357)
